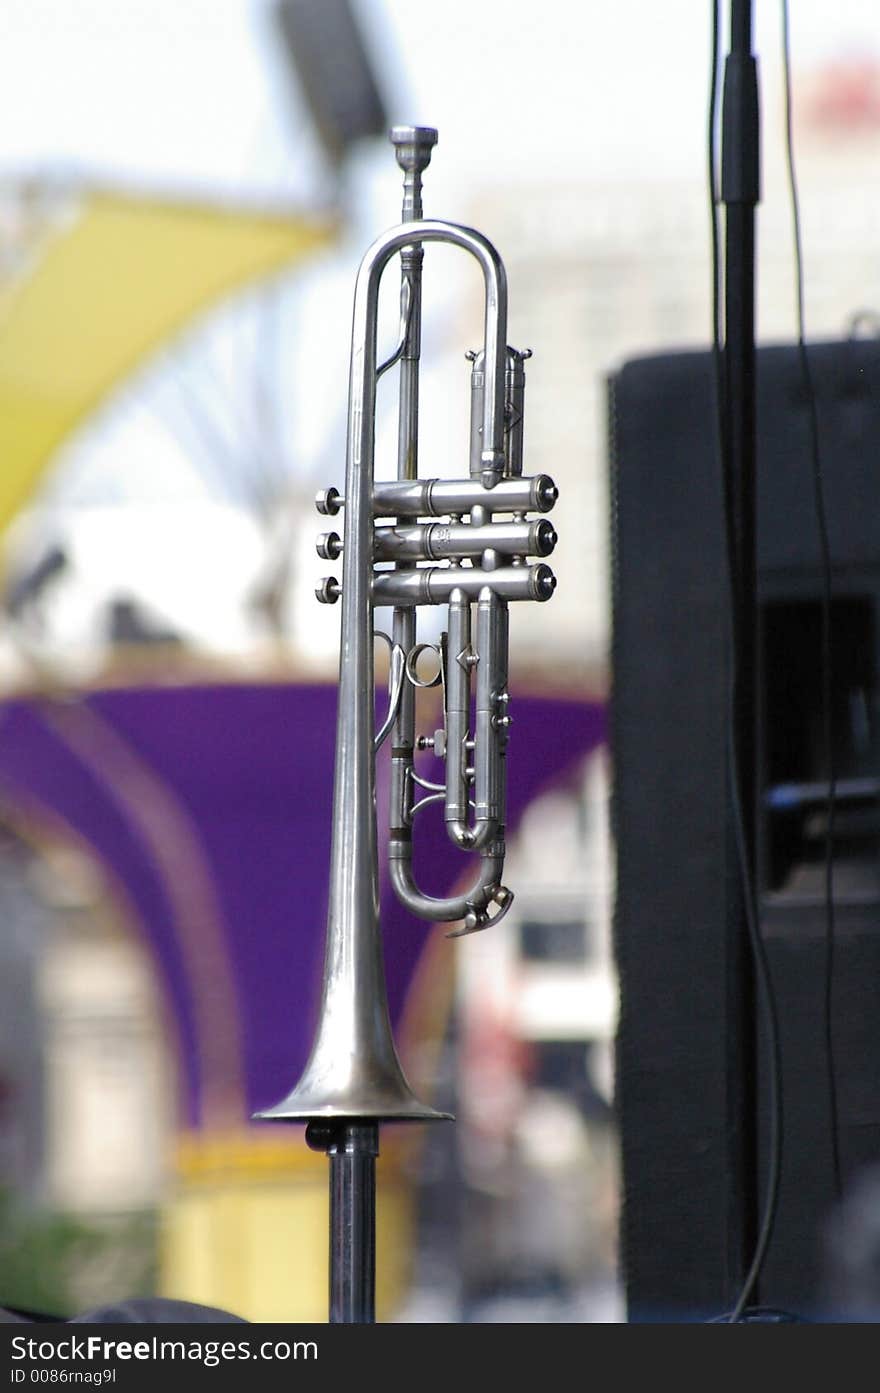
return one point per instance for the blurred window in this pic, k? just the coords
(560, 941)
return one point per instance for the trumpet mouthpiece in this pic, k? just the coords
(413, 146)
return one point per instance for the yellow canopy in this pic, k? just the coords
(104, 290)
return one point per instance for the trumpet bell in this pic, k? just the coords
(353, 1070)
(385, 1099)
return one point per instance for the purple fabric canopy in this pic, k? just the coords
(209, 810)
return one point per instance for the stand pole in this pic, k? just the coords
(352, 1148)
(740, 192)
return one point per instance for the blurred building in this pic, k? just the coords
(87, 1121)
(537, 1011)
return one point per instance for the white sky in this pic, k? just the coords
(161, 89)
(192, 94)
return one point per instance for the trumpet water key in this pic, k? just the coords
(470, 545)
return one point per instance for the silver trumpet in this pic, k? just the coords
(464, 543)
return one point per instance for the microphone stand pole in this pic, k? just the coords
(740, 192)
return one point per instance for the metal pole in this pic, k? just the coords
(352, 1148)
(740, 192)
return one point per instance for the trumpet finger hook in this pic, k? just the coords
(478, 919)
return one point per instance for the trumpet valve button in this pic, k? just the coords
(329, 501)
(545, 537)
(329, 545)
(547, 493)
(544, 582)
(329, 590)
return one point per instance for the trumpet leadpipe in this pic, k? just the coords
(438, 541)
(439, 498)
(434, 585)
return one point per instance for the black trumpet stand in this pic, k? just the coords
(740, 192)
(352, 1149)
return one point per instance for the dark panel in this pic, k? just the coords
(669, 822)
(676, 869)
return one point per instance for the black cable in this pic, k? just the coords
(763, 1315)
(713, 194)
(826, 641)
(762, 967)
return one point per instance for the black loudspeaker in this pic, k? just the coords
(678, 1101)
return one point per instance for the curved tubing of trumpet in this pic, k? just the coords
(363, 365)
(473, 902)
(471, 838)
